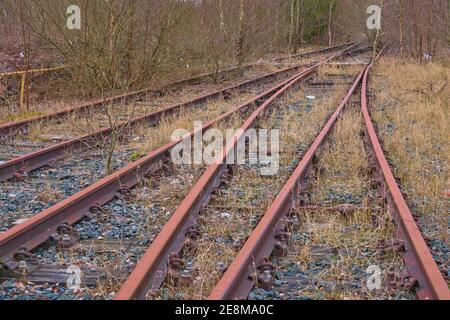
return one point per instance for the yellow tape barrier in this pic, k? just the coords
(16, 73)
(23, 75)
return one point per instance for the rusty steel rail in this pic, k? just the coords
(44, 156)
(310, 53)
(40, 227)
(418, 258)
(238, 280)
(35, 160)
(151, 270)
(9, 128)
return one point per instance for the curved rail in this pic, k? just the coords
(418, 258)
(151, 270)
(40, 227)
(239, 279)
(44, 156)
(9, 128)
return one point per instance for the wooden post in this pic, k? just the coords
(22, 92)
(330, 16)
(291, 25)
(27, 90)
(421, 49)
(401, 27)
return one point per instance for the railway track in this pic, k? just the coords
(92, 227)
(23, 161)
(35, 160)
(122, 225)
(119, 202)
(97, 107)
(44, 186)
(252, 265)
(253, 268)
(152, 269)
(23, 125)
(53, 225)
(234, 208)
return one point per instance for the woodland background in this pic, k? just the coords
(124, 44)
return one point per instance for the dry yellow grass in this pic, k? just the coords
(344, 164)
(343, 248)
(10, 111)
(155, 137)
(92, 120)
(411, 111)
(335, 69)
(348, 243)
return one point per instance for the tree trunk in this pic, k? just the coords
(377, 35)
(291, 26)
(24, 94)
(330, 16)
(401, 26)
(416, 31)
(241, 37)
